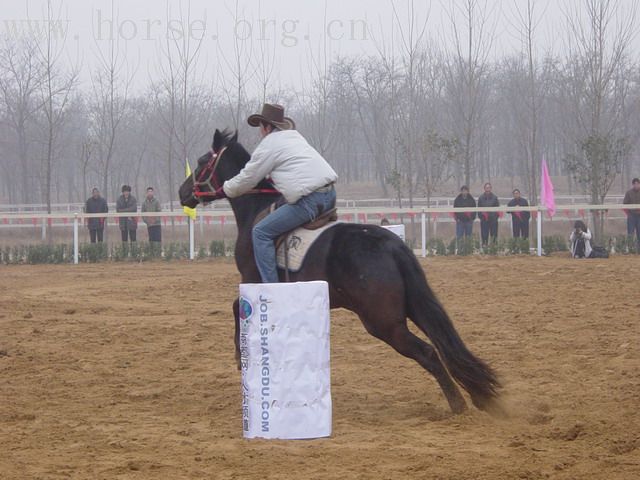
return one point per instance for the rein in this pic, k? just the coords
(208, 178)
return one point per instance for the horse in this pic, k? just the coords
(370, 271)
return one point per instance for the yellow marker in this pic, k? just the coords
(190, 212)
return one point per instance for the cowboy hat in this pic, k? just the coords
(274, 115)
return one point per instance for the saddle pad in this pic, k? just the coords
(299, 242)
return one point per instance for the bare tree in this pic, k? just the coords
(111, 82)
(58, 82)
(238, 67)
(412, 35)
(84, 159)
(526, 22)
(437, 154)
(371, 87)
(314, 98)
(265, 59)
(467, 70)
(598, 45)
(181, 99)
(21, 76)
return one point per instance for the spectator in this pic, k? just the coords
(384, 222)
(488, 220)
(580, 240)
(96, 204)
(464, 220)
(519, 220)
(151, 204)
(128, 225)
(633, 216)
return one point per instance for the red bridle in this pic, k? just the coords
(208, 178)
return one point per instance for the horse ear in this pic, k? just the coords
(234, 139)
(217, 139)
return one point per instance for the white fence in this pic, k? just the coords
(418, 202)
(356, 215)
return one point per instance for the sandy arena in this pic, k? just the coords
(127, 372)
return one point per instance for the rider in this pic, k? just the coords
(297, 170)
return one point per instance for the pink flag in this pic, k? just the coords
(547, 198)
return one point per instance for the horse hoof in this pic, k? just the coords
(493, 407)
(458, 407)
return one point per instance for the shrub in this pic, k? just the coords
(623, 244)
(40, 254)
(93, 252)
(155, 250)
(18, 254)
(176, 251)
(517, 246)
(202, 252)
(5, 255)
(436, 246)
(120, 252)
(217, 248)
(464, 246)
(183, 250)
(493, 248)
(554, 243)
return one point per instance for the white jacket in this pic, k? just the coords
(295, 167)
(587, 243)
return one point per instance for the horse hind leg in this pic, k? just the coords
(411, 346)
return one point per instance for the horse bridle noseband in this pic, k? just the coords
(208, 178)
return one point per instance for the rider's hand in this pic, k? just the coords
(220, 193)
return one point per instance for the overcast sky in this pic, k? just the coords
(294, 30)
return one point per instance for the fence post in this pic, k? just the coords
(539, 231)
(192, 246)
(76, 246)
(424, 233)
(44, 229)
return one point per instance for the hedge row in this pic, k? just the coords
(101, 252)
(516, 246)
(143, 251)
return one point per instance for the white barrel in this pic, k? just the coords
(284, 349)
(397, 229)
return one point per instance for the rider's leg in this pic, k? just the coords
(284, 219)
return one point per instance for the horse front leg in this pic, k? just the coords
(236, 336)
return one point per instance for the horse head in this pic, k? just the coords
(225, 159)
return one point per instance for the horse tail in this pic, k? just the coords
(424, 309)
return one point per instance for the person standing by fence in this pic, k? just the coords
(128, 225)
(96, 204)
(488, 220)
(633, 216)
(519, 220)
(154, 228)
(464, 220)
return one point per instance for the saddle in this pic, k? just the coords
(282, 244)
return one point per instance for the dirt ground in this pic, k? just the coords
(127, 372)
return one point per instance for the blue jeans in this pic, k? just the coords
(633, 226)
(283, 220)
(464, 228)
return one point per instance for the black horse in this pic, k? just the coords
(370, 271)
